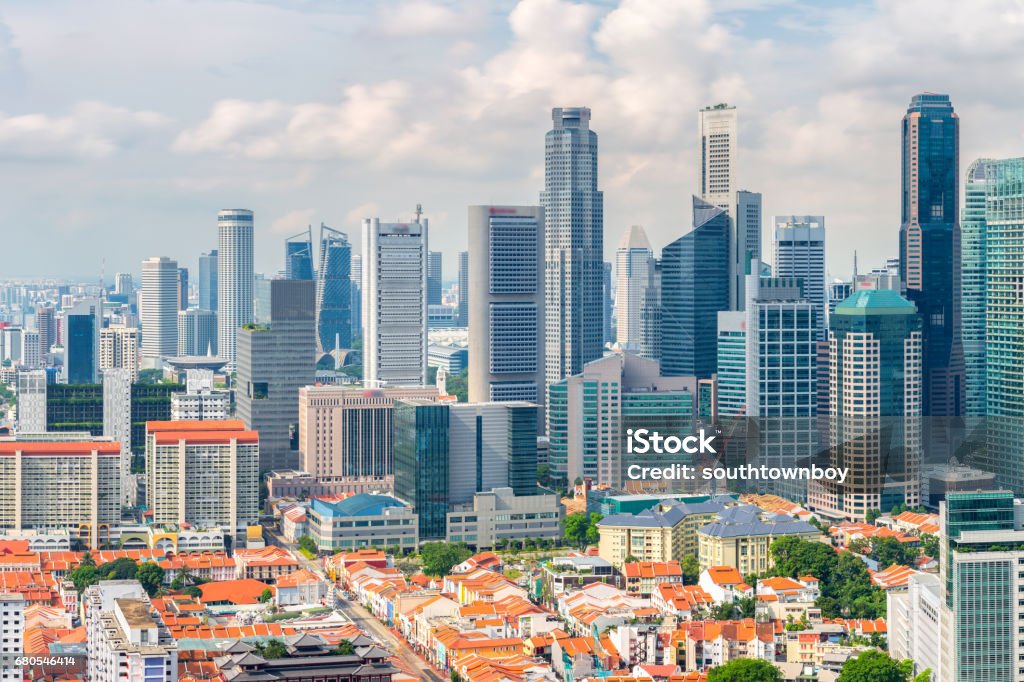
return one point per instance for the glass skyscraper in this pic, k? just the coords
(694, 288)
(208, 281)
(298, 256)
(421, 463)
(972, 278)
(574, 244)
(333, 291)
(929, 245)
(435, 261)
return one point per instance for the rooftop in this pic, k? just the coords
(875, 302)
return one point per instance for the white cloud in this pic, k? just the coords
(293, 221)
(419, 17)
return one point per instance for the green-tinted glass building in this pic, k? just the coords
(972, 285)
(421, 463)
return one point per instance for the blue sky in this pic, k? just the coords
(125, 126)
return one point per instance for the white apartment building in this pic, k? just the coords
(126, 638)
(12, 636)
(634, 273)
(200, 401)
(32, 401)
(119, 349)
(117, 421)
(234, 277)
(914, 618)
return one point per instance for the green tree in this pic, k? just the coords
(544, 475)
(581, 529)
(87, 560)
(889, 551)
(193, 592)
(309, 544)
(923, 676)
(151, 575)
(275, 648)
(872, 515)
(344, 648)
(794, 557)
(745, 670)
(439, 557)
(875, 666)
(83, 576)
(458, 385)
(930, 546)
(266, 595)
(453, 676)
(691, 569)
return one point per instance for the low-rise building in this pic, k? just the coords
(740, 537)
(567, 573)
(265, 564)
(665, 532)
(301, 587)
(364, 520)
(501, 514)
(309, 657)
(642, 577)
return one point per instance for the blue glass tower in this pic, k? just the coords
(420, 440)
(694, 288)
(333, 291)
(298, 256)
(208, 280)
(972, 300)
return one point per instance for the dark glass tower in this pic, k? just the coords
(298, 256)
(694, 288)
(333, 291)
(930, 245)
(421, 463)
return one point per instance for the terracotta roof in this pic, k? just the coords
(196, 425)
(60, 448)
(652, 569)
(725, 576)
(246, 591)
(299, 577)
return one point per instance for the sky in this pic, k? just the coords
(126, 126)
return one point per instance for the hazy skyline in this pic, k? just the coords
(125, 127)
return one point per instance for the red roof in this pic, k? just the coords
(196, 425)
(51, 448)
(246, 591)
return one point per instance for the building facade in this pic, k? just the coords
(800, 253)
(334, 291)
(501, 514)
(717, 130)
(119, 349)
(197, 332)
(126, 637)
(363, 520)
(158, 307)
(234, 277)
(973, 281)
(634, 275)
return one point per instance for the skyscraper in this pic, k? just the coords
(506, 316)
(394, 303)
(197, 332)
(123, 284)
(435, 261)
(744, 244)
(716, 129)
(356, 295)
(634, 274)
(47, 327)
(694, 288)
(182, 288)
(119, 349)
(574, 244)
(158, 307)
(930, 245)
(800, 252)
(421, 433)
(117, 421)
(973, 282)
(274, 362)
(298, 255)
(333, 291)
(464, 297)
(234, 277)
(82, 343)
(208, 281)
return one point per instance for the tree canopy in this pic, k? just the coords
(745, 670)
(581, 529)
(875, 666)
(440, 557)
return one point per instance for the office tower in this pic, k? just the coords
(12, 345)
(79, 471)
(32, 401)
(82, 342)
(204, 473)
(464, 288)
(197, 332)
(274, 362)
(732, 364)
(972, 279)
(838, 291)
(201, 401)
(117, 421)
(356, 295)
(126, 638)
(913, 621)
(744, 244)
(589, 413)
(119, 348)
(12, 642)
(298, 255)
(394, 303)
(716, 129)
(345, 434)
(123, 285)
(634, 275)
(234, 278)
(434, 275)
(800, 252)
(334, 291)
(30, 355)
(421, 462)
(650, 316)
(607, 304)
(874, 351)
(46, 325)
(182, 288)
(260, 300)
(573, 245)
(930, 245)
(694, 288)
(506, 315)
(208, 281)
(158, 307)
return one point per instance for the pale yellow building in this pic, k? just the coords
(741, 537)
(665, 532)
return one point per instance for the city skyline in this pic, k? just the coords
(114, 144)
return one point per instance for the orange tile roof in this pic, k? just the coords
(652, 569)
(61, 448)
(271, 555)
(196, 425)
(245, 591)
(725, 575)
(299, 577)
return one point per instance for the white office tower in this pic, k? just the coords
(32, 401)
(123, 285)
(234, 278)
(506, 310)
(394, 303)
(158, 307)
(197, 332)
(126, 638)
(914, 620)
(12, 615)
(117, 421)
(119, 349)
(31, 356)
(200, 401)
(800, 252)
(716, 128)
(634, 274)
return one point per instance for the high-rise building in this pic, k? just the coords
(12, 643)
(435, 261)
(117, 421)
(32, 401)
(506, 316)
(838, 291)
(182, 288)
(589, 413)
(731, 390)
(82, 342)
(744, 244)
(79, 471)
(334, 283)
(607, 304)
(298, 255)
(123, 285)
(47, 327)
(421, 433)
(574, 245)
(234, 277)
(126, 639)
(119, 348)
(694, 288)
(973, 282)
(800, 252)
(650, 316)
(208, 281)
(274, 361)
(930, 245)
(356, 295)
(158, 307)
(201, 401)
(394, 303)
(204, 473)
(197, 332)
(874, 405)
(634, 275)
(716, 129)
(464, 288)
